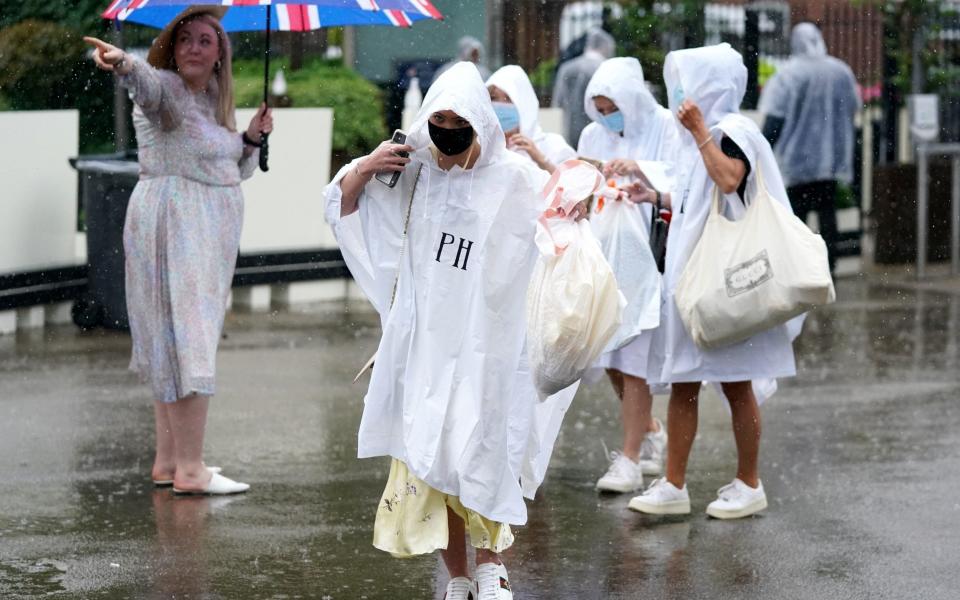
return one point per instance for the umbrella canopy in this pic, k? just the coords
(286, 15)
(283, 15)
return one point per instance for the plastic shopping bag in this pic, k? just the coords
(573, 304)
(623, 233)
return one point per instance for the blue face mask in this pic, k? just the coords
(508, 115)
(678, 96)
(613, 121)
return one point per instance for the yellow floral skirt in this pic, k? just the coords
(412, 518)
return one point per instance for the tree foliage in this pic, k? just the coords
(916, 27)
(357, 104)
(649, 29)
(43, 66)
(78, 15)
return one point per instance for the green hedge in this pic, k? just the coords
(357, 104)
(43, 66)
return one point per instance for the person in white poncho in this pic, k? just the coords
(705, 87)
(445, 257)
(629, 125)
(517, 109)
(809, 107)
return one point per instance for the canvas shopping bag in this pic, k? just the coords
(749, 275)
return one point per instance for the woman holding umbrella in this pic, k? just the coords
(183, 227)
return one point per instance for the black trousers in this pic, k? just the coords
(820, 196)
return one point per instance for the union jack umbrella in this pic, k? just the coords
(284, 15)
(279, 15)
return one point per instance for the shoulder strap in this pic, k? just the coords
(403, 243)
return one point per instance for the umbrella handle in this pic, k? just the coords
(264, 143)
(264, 152)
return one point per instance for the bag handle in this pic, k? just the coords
(554, 193)
(717, 202)
(396, 282)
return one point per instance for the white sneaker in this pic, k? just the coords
(460, 588)
(737, 500)
(493, 583)
(662, 498)
(624, 475)
(652, 449)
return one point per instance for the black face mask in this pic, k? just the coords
(451, 141)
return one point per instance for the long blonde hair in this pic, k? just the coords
(223, 74)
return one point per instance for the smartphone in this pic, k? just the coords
(390, 178)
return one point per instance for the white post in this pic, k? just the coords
(923, 188)
(955, 219)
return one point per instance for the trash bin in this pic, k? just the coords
(106, 182)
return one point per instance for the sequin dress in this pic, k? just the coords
(182, 232)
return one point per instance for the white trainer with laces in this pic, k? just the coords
(652, 450)
(662, 498)
(460, 588)
(737, 500)
(623, 476)
(493, 583)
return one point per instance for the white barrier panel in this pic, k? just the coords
(38, 189)
(283, 208)
(551, 120)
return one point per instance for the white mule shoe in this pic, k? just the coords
(166, 482)
(218, 486)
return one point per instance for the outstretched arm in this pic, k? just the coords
(146, 87)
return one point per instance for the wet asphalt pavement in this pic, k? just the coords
(860, 462)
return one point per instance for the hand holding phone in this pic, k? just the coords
(390, 178)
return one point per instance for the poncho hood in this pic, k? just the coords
(461, 90)
(514, 81)
(621, 80)
(713, 77)
(806, 40)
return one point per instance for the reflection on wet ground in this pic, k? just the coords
(859, 460)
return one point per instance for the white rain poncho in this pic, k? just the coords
(572, 79)
(514, 81)
(650, 135)
(816, 96)
(649, 131)
(450, 394)
(715, 79)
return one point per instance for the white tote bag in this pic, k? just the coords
(573, 304)
(749, 275)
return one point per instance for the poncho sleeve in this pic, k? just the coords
(370, 238)
(775, 97)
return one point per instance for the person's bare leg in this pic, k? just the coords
(455, 554)
(636, 404)
(487, 556)
(682, 416)
(746, 429)
(188, 422)
(616, 380)
(165, 459)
